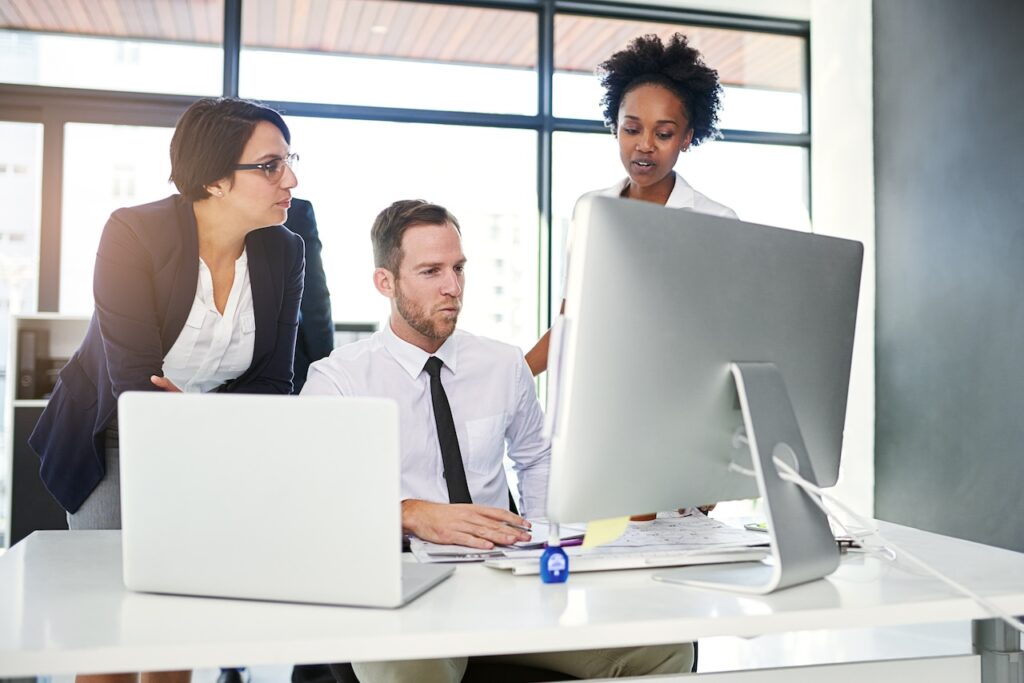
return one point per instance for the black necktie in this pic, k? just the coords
(451, 456)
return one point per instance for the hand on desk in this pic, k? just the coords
(475, 526)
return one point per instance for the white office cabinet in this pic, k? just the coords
(39, 346)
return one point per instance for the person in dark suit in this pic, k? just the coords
(316, 324)
(190, 295)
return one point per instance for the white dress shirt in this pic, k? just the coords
(213, 348)
(493, 400)
(683, 197)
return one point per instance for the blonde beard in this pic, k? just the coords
(415, 318)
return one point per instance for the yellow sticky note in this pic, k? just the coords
(603, 531)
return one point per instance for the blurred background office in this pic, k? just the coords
(892, 123)
(486, 108)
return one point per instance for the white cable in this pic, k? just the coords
(884, 551)
(787, 473)
(733, 467)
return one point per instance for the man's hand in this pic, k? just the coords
(475, 526)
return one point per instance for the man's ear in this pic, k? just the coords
(384, 281)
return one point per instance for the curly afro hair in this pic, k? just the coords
(675, 66)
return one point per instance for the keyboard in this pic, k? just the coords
(639, 559)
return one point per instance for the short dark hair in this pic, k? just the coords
(675, 66)
(209, 138)
(391, 224)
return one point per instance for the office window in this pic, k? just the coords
(451, 63)
(351, 170)
(390, 54)
(766, 184)
(762, 73)
(126, 45)
(762, 183)
(21, 155)
(105, 167)
(438, 63)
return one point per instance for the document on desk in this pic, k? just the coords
(691, 531)
(669, 541)
(669, 533)
(424, 551)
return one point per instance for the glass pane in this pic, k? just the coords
(581, 162)
(351, 170)
(21, 172)
(391, 54)
(105, 167)
(762, 73)
(763, 183)
(128, 45)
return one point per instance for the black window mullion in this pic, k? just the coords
(807, 118)
(402, 115)
(545, 77)
(232, 45)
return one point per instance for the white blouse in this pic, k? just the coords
(213, 348)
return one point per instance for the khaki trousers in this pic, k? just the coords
(608, 663)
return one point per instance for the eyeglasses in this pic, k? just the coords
(273, 169)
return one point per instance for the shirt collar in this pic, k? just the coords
(412, 358)
(681, 197)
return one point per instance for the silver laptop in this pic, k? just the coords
(265, 497)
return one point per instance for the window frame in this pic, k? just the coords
(54, 107)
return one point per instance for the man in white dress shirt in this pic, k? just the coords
(420, 267)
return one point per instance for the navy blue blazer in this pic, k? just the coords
(147, 270)
(316, 324)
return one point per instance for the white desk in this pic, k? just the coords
(63, 609)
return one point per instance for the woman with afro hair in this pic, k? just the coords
(660, 99)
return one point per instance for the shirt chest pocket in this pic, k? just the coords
(248, 323)
(184, 346)
(486, 445)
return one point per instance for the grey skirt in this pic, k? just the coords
(102, 509)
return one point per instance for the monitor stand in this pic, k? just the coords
(802, 546)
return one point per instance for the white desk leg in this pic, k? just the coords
(999, 646)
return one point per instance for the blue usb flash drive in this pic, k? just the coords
(554, 563)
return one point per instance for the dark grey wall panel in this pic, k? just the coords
(949, 183)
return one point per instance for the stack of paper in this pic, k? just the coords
(672, 538)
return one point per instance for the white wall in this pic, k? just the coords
(842, 196)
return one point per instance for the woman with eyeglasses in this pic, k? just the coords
(193, 293)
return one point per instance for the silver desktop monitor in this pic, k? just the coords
(683, 335)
